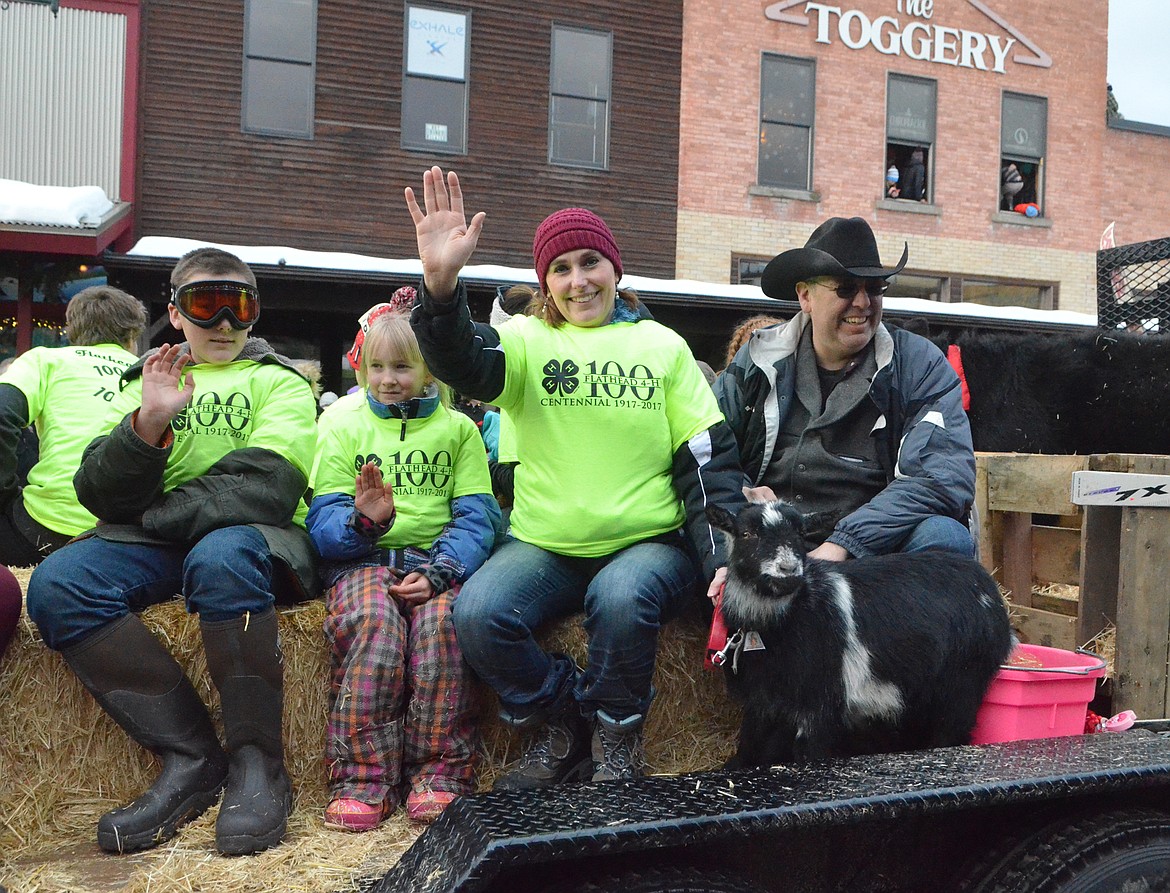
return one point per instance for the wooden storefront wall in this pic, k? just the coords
(203, 178)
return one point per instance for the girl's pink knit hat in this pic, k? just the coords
(571, 229)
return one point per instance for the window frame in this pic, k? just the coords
(1033, 181)
(809, 126)
(900, 147)
(248, 85)
(739, 260)
(412, 82)
(554, 95)
(951, 286)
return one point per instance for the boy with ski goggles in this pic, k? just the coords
(198, 488)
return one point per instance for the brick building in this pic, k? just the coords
(710, 134)
(793, 112)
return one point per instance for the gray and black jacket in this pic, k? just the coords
(922, 438)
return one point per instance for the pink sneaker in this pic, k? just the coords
(354, 815)
(426, 806)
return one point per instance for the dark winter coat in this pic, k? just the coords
(120, 481)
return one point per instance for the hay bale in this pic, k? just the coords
(59, 750)
(63, 762)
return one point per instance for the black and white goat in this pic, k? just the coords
(871, 655)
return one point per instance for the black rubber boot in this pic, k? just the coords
(243, 657)
(137, 682)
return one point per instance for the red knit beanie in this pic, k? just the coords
(571, 229)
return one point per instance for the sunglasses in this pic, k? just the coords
(207, 303)
(874, 288)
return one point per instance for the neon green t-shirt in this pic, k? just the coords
(69, 391)
(598, 415)
(237, 405)
(334, 410)
(506, 447)
(441, 457)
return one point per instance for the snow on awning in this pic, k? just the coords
(72, 206)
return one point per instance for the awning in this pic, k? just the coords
(88, 240)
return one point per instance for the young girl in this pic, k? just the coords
(396, 541)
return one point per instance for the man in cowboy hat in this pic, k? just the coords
(859, 426)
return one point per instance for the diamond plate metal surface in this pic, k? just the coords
(478, 836)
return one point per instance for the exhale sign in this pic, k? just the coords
(911, 31)
(1120, 489)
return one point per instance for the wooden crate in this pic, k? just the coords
(1030, 534)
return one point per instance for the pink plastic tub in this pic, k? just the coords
(1047, 701)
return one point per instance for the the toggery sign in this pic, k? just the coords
(911, 32)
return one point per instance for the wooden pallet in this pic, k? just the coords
(1031, 535)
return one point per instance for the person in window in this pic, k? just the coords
(914, 178)
(859, 426)
(620, 445)
(1012, 182)
(892, 177)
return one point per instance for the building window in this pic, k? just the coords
(280, 57)
(787, 105)
(746, 269)
(920, 285)
(1023, 140)
(1008, 294)
(910, 120)
(995, 293)
(434, 80)
(578, 103)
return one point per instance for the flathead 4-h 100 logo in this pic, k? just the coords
(210, 413)
(413, 470)
(600, 384)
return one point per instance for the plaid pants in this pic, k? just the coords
(401, 710)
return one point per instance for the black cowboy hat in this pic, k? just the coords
(838, 247)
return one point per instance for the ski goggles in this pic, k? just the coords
(207, 303)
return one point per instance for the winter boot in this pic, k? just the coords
(617, 748)
(137, 682)
(243, 657)
(558, 750)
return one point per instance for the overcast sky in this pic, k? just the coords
(1139, 33)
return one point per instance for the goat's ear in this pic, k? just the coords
(759, 494)
(721, 518)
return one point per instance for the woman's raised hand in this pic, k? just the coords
(445, 239)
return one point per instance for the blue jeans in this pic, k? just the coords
(940, 532)
(92, 582)
(626, 597)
